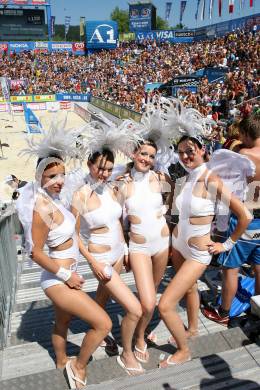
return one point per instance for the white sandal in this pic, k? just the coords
(72, 378)
(128, 370)
(143, 351)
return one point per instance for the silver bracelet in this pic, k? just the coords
(228, 244)
(64, 274)
(126, 251)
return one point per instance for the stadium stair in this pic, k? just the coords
(222, 358)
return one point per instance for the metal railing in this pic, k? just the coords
(9, 225)
(115, 109)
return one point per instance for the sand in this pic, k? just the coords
(13, 132)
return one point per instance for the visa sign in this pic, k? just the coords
(101, 35)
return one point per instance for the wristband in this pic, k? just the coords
(126, 251)
(228, 244)
(64, 274)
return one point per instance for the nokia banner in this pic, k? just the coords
(101, 35)
(142, 17)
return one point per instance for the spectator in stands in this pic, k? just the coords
(247, 248)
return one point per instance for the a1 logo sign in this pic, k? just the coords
(104, 33)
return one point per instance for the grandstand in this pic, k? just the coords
(218, 74)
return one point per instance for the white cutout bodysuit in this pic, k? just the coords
(107, 216)
(57, 236)
(147, 205)
(190, 206)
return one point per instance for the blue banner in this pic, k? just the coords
(141, 17)
(101, 35)
(33, 125)
(182, 36)
(18, 47)
(75, 97)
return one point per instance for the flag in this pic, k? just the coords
(231, 6)
(251, 3)
(202, 15)
(52, 26)
(219, 8)
(197, 10)
(67, 24)
(5, 88)
(211, 6)
(81, 25)
(168, 7)
(182, 9)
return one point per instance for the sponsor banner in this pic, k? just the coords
(21, 99)
(24, 2)
(65, 105)
(37, 106)
(101, 35)
(53, 106)
(2, 99)
(3, 47)
(17, 107)
(44, 98)
(3, 107)
(20, 46)
(78, 48)
(39, 45)
(60, 46)
(167, 35)
(142, 17)
(75, 97)
(39, 2)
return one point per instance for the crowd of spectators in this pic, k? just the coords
(120, 75)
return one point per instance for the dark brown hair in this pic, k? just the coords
(250, 126)
(107, 154)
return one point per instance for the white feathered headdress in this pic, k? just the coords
(104, 134)
(57, 141)
(166, 120)
(179, 120)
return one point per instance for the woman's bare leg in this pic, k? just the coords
(124, 296)
(191, 297)
(103, 294)
(185, 278)
(147, 274)
(59, 336)
(78, 303)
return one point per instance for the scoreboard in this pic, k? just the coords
(22, 24)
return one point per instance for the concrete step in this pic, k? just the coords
(237, 368)
(39, 346)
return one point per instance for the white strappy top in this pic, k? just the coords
(190, 205)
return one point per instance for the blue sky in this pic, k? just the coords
(101, 9)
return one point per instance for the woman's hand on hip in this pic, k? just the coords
(214, 248)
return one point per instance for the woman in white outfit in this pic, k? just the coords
(53, 225)
(149, 233)
(192, 246)
(98, 204)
